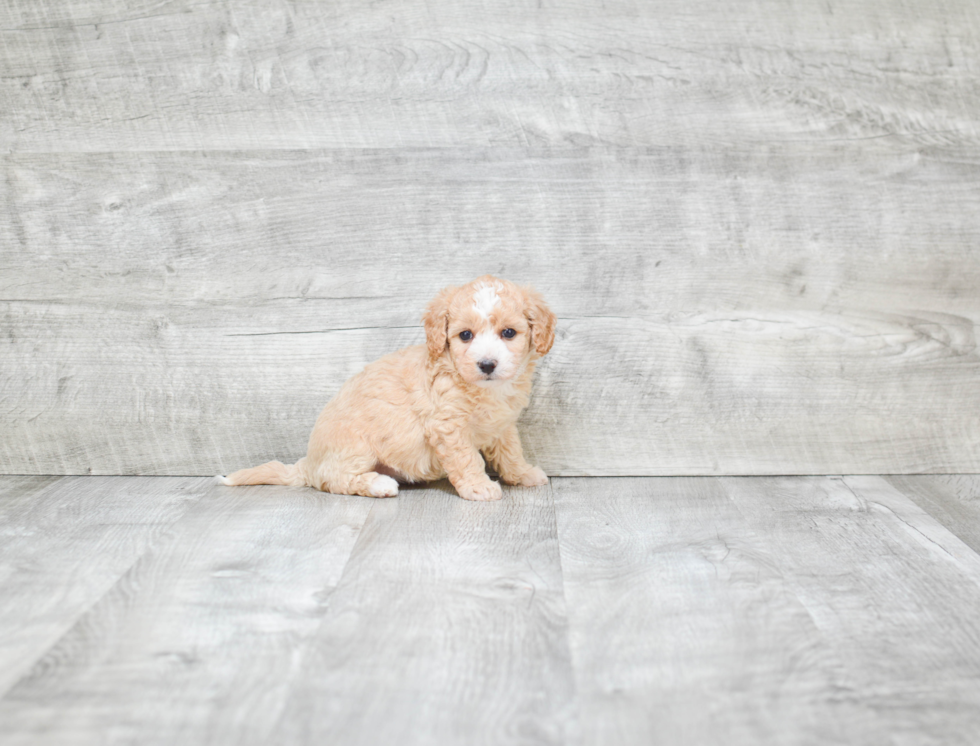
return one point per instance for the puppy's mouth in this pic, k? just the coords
(487, 380)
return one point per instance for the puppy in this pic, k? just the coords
(428, 411)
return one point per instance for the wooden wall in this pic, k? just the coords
(758, 221)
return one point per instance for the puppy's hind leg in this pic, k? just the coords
(350, 471)
(369, 484)
(376, 485)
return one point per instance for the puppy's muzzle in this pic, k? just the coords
(487, 366)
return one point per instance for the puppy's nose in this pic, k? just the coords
(487, 366)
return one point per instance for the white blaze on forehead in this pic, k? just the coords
(485, 298)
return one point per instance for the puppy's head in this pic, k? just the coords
(490, 329)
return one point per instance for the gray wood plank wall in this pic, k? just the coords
(758, 223)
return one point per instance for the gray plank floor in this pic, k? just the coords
(770, 610)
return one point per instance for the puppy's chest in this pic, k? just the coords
(494, 415)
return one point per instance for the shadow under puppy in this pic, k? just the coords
(427, 412)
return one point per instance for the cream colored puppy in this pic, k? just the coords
(427, 412)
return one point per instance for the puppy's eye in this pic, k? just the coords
(466, 336)
(508, 333)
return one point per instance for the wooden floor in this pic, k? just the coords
(732, 610)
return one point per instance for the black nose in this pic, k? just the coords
(487, 366)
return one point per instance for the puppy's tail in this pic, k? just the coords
(273, 472)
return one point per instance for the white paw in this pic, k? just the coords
(534, 477)
(383, 486)
(487, 491)
(221, 479)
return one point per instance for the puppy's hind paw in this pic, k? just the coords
(533, 477)
(484, 492)
(384, 486)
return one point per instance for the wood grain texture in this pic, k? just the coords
(755, 611)
(793, 610)
(249, 624)
(17, 491)
(952, 499)
(198, 640)
(140, 75)
(781, 309)
(448, 626)
(65, 545)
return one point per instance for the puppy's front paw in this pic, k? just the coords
(533, 477)
(485, 491)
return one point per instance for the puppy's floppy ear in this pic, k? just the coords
(541, 319)
(436, 320)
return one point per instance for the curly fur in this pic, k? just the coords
(430, 411)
